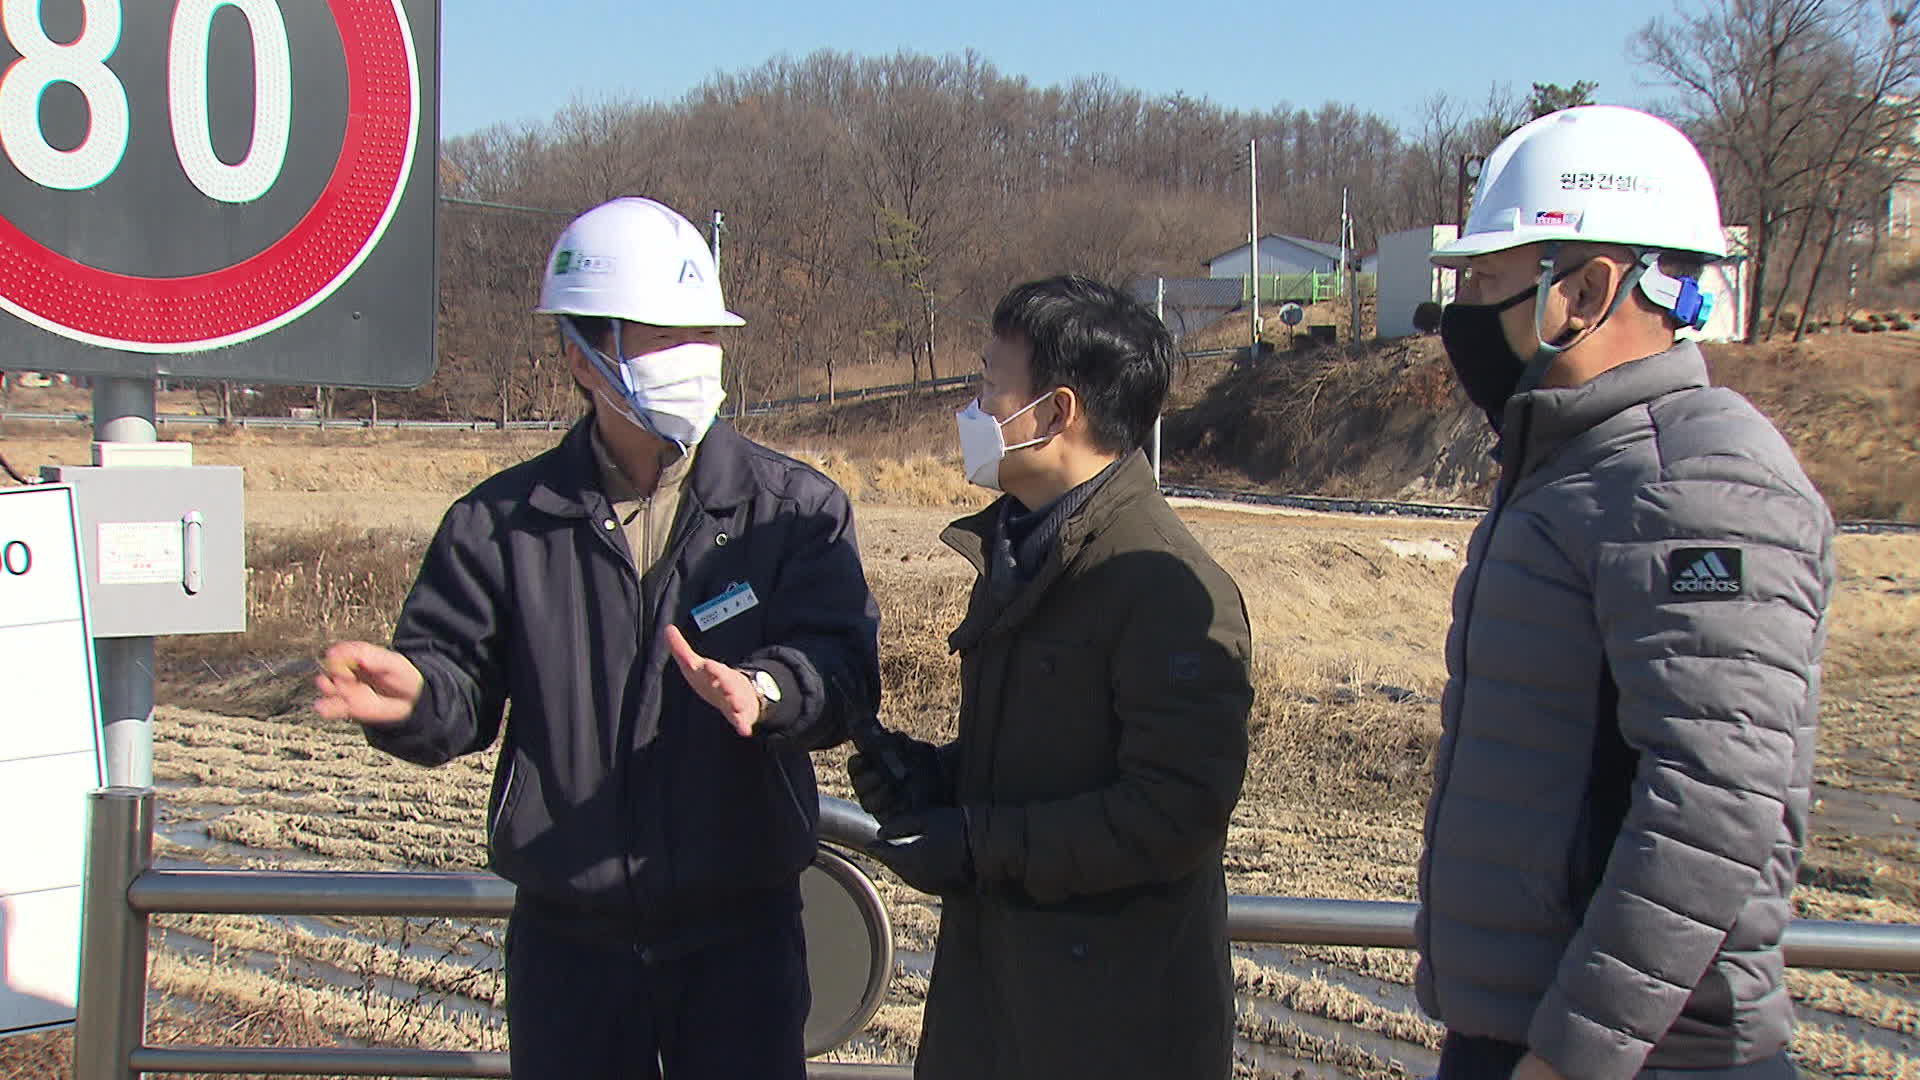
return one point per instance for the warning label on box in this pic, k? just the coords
(140, 552)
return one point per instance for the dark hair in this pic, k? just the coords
(597, 329)
(1099, 342)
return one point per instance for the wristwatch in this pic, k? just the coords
(765, 686)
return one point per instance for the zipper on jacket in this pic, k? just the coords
(646, 511)
(623, 730)
(663, 571)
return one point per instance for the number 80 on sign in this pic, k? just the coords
(271, 279)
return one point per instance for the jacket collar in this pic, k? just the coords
(1548, 419)
(569, 485)
(971, 535)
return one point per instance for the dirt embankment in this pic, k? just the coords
(1388, 421)
(1378, 422)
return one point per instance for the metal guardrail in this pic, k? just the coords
(730, 411)
(123, 889)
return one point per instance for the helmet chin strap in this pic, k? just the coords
(616, 375)
(1547, 352)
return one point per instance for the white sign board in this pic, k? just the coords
(49, 755)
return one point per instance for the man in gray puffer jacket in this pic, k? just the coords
(1620, 792)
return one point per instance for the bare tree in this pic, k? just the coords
(1757, 76)
(879, 205)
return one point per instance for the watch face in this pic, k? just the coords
(768, 686)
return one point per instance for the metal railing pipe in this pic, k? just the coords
(266, 1061)
(1849, 946)
(833, 1070)
(112, 1014)
(320, 892)
(320, 1062)
(1292, 920)
(844, 823)
(1288, 920)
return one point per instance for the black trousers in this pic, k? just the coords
(582, 1009)
(1469, 1057)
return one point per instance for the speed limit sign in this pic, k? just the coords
(232, 189)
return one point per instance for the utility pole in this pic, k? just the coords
(740, 376)
(1460, 197)
(932, 372)
(1351, 240)
(1340, 282)
(1469, 171)
(1253, 236)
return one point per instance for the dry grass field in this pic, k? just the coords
(1348, 618)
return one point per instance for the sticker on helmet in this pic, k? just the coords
(1622, 182)
(572, 262)
(690, 274)
(1556, 217)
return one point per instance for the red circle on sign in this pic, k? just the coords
(302, 268)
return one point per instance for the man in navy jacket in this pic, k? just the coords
(655, 822)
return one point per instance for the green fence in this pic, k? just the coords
(1308, 288)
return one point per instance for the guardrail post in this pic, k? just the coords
(112, 1020)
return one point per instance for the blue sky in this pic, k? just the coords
(516, 61)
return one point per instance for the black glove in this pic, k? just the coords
(930, 851)
(896, 774)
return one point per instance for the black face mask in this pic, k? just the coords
(1476, 345)
(1488, 368)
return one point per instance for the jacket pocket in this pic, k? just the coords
(1079, 992)
(504, 794)
(1057, 708)
(783, 781)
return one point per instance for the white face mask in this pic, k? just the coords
(982, 444)
(674, 393)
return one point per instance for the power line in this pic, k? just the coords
(514, 207)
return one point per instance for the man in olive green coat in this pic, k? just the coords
(1075, 830)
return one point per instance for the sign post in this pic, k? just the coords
(49, 755)
(123, 412)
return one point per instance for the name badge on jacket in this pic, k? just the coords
(738, 598)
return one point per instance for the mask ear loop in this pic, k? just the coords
(616, 375)
(1546, 353)
(1023, 411)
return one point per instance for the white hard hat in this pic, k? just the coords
(1597, 173)
(635, 259)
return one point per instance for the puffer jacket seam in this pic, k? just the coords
(1741, 790)
(1671, 910)
(1715, 854)
(1535, 579)
(1760, 660)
